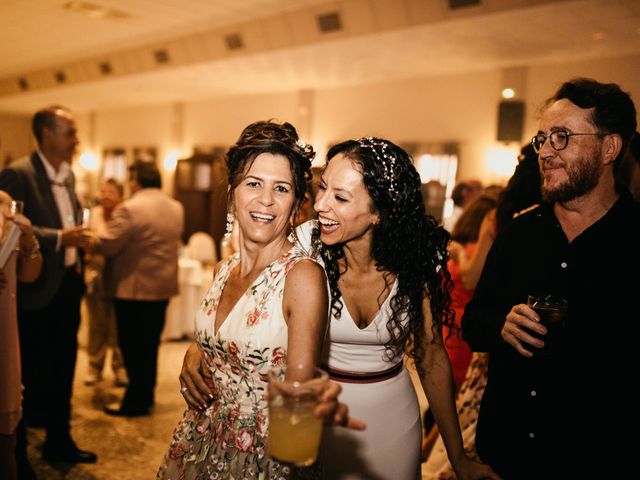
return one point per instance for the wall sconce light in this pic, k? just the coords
(171, 160)
(89, 160)
(502, 161)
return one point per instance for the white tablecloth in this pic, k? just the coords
(194, 281)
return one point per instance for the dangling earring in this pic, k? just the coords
(230, 219)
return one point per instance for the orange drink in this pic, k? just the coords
(294, 430)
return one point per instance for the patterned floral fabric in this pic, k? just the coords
(467, 406)
(228, 439)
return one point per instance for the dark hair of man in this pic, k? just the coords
(467, 226)
(275, 138)
(146, 174)
(407, 242)
(115, 184)
(46, 118)
(613, 109)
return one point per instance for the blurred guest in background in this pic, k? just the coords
(522, 190)
(628, 174)
(142, 240)
(464, 192)
(564, 414)
(473, 232)
(24, 265)
(49, 308)
(102, 320)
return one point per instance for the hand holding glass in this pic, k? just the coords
(294, 430)
(552, 311)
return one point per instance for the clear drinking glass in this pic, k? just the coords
(86, 217)
(294, 430)
(16, 208)
(552, 311)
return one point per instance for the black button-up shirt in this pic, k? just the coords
(566, 413)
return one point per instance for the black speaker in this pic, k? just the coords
(510, 121)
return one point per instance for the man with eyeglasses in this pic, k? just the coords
(564, 413)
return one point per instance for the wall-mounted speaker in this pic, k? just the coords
(510, 121)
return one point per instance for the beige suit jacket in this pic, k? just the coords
(142, 241)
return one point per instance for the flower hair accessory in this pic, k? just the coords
(306, 150)
(388, 161)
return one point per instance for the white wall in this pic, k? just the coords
(461, 108)
(545, 79)
(15, 137)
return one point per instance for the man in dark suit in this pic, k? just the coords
(49, 308)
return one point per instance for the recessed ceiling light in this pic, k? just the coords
(508, 93)
(93, 10)
(60, 76)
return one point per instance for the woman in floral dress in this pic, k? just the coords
(267, 307)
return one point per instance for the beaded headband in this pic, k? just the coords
(388, 161)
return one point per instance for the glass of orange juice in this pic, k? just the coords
(294, 430)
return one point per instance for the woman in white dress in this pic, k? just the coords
(385, 259)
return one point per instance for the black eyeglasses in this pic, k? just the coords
(559, 139)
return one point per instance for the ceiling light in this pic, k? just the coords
(161, 56)
(105, 68)
(93, 10)
(329, 22)
(508, 93)
(234, 41)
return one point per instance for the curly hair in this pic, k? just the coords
(407, 242)
(268, 136)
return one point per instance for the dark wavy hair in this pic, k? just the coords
(613, 109)
(268, 136)
(467, 227)
(407, 242)
(522, 190)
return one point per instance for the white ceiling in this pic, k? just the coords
(37, 35)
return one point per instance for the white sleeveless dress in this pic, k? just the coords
(389, 449)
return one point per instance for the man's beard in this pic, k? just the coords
(582, 176)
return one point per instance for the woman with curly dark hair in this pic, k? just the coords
(385, 259)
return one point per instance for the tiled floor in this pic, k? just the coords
(128, 449)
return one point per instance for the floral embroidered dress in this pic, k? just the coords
(228, 439)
